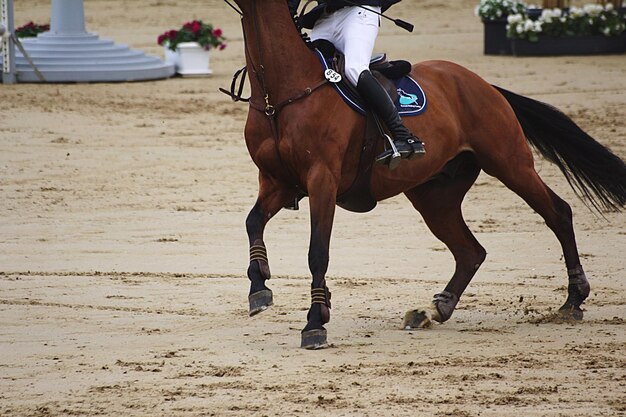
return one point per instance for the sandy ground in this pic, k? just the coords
(123, 251)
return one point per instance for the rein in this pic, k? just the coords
(232, 6)
(237, 96)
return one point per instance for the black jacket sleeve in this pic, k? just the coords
(385, 4)
(309, 19)
(293, 6)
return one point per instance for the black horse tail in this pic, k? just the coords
(592, 170)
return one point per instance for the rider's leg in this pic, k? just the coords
(379, 101)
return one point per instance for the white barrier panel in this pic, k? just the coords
(7, 49)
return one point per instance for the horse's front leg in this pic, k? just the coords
(322, 188)
(272, 197)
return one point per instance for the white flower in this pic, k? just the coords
(546, 15)
(514, 18)
(528, 25)
(592, 16)
(576, 12)
(593, 9)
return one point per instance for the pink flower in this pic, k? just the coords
(205, 34)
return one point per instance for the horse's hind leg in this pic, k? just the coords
(272, 197)
(439, 202)
(519, 175)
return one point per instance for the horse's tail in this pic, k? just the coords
(592, 170)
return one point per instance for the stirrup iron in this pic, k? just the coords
(395, 157)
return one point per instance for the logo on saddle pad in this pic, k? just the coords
(408, 101)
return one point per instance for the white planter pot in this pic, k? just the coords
(171, 57)
(190, 59)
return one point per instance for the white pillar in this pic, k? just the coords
(67, 17)
(7, 48)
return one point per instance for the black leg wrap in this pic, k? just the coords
(260, 297)
(445, 303)
(577, 291)
(320, 296)
(314, 334)
(258, 253)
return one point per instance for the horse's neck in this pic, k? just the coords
(275, 50)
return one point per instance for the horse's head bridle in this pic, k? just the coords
(269, 109)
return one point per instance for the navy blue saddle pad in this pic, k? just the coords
(411, 98)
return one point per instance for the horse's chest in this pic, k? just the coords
(269, 155)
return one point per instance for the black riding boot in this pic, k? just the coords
(407, 145)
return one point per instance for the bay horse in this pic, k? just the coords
(305, 140)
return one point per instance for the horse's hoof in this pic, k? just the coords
(314, 339)
(260, 301)
(417, 319)
(570, 312)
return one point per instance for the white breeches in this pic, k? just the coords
(353, 31)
